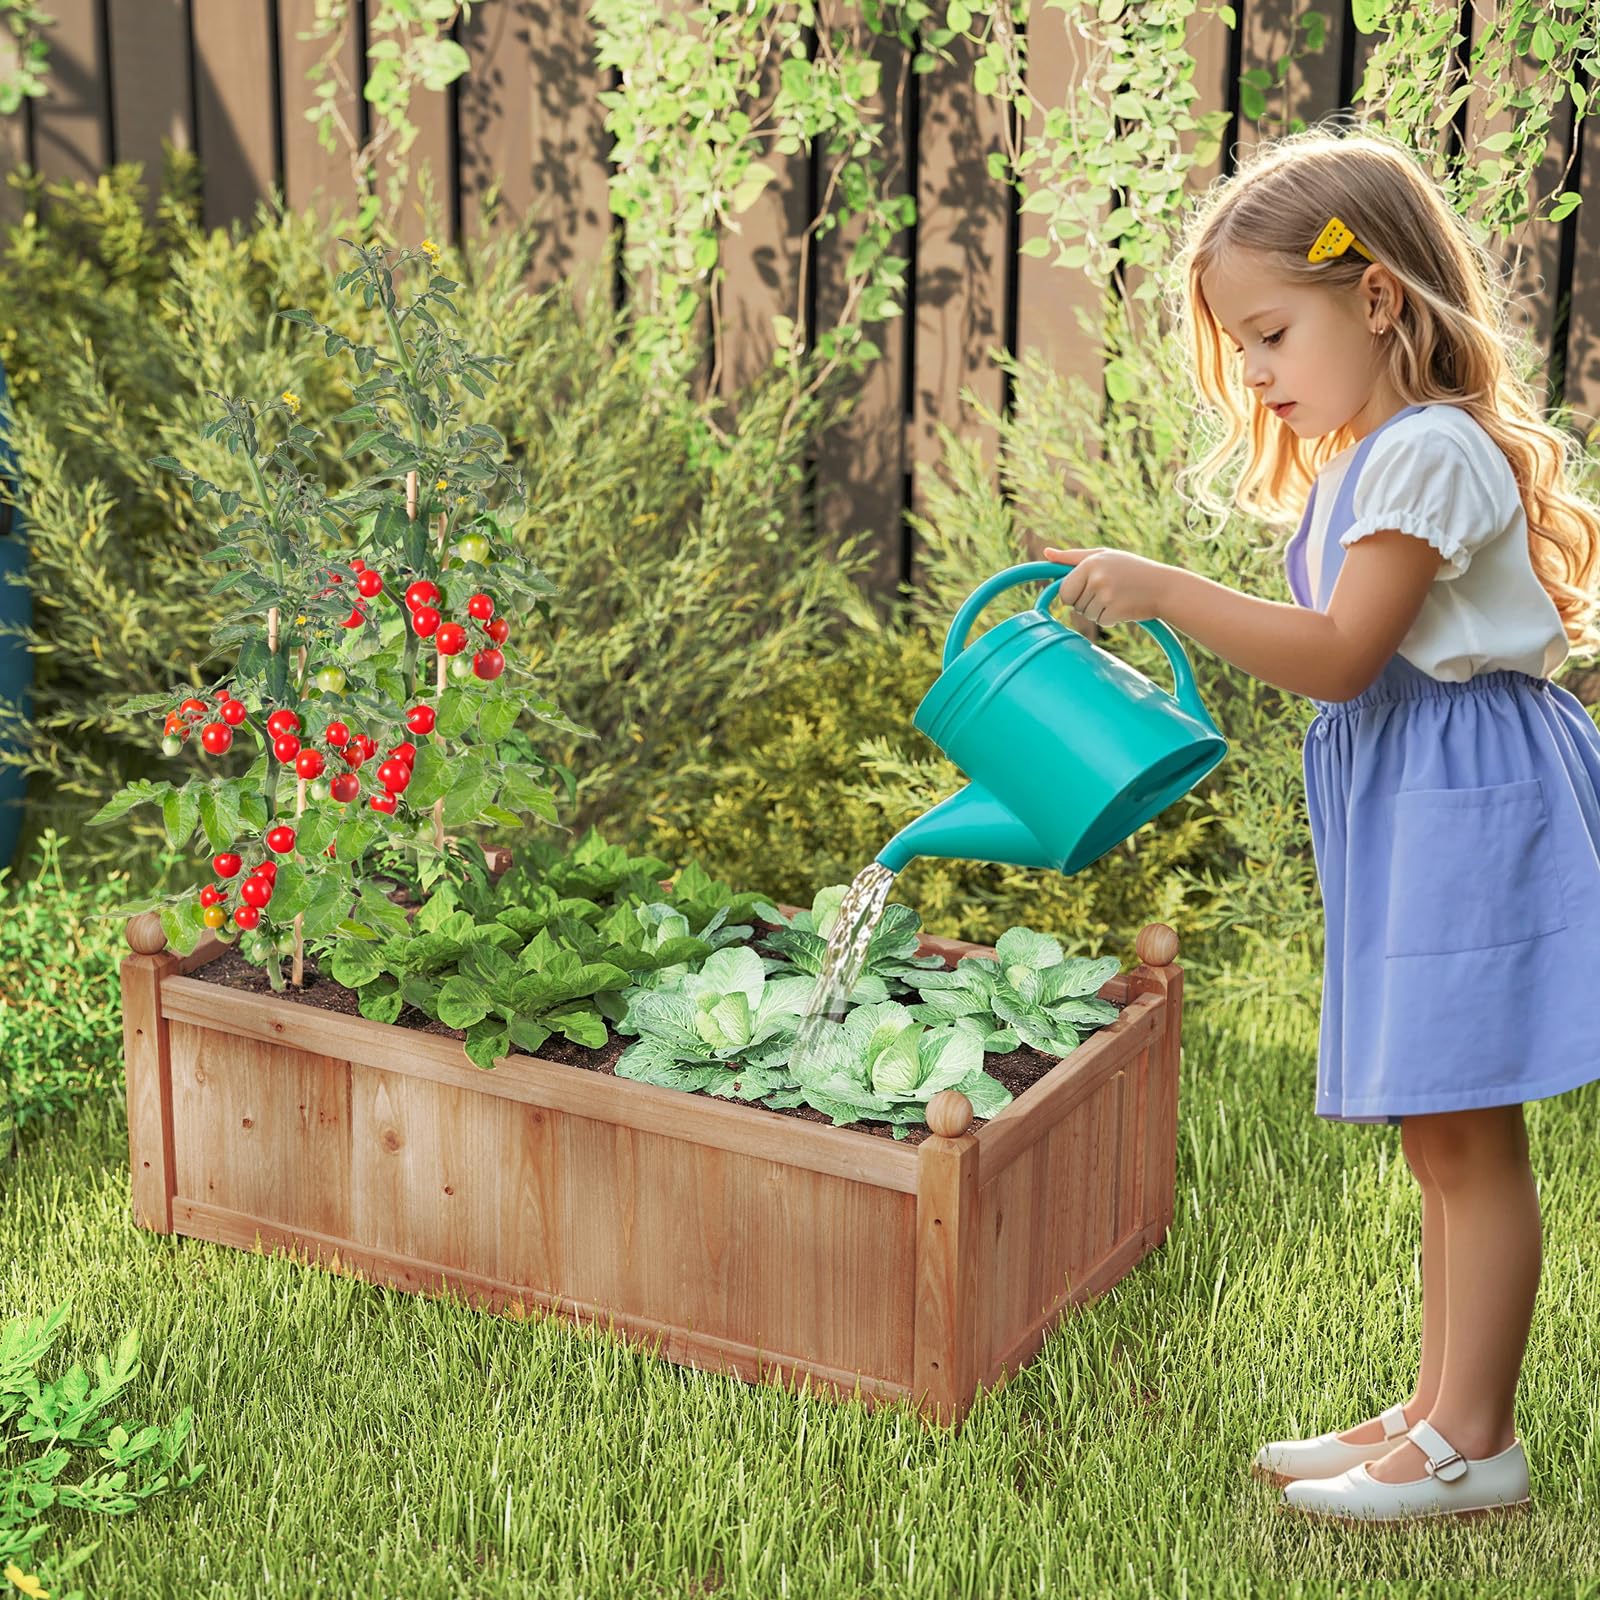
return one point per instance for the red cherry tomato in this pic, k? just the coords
(247, 917)
(481, 607)
(216, 737)
(355, 619)
(264, 869)
(420, 719)
(255, 891)
(227, 864)
(487, 664)
(425, 620)
(452, 638)
(394, 776)
(358, 565)
(193, 708)
(280, 840)
(383, 802)
(499, 630)
(308, 764)
(210, 895)
(338, 735)
(233, 712)
(282, 722)
(406, 752)
(345, 787)
(286, 747)
(370, 583)
(422, 593)
(329, 850)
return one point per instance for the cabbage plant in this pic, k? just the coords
(880, 1062)
(728, 1028)
(1028, 992)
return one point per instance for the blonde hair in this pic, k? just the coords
(1451, 341)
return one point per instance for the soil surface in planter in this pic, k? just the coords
(1018, 1070)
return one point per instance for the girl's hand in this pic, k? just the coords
(1111, 586)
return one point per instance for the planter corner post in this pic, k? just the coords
(945, 1354)
(149, 1072)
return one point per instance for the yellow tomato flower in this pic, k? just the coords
(292, 401)
(298, 621)
(440, 484)
(431, 248)
(27, 1583)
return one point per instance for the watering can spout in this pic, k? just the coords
(970, 826)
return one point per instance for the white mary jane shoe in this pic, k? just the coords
(1454, 1486)
(1286, 1460)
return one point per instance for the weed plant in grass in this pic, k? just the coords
(364, 1442)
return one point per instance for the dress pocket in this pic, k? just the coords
(1472, 869)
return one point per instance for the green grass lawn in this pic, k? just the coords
(359, 1441)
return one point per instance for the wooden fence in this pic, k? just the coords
(226, 78)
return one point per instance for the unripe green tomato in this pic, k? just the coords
(286, 942)
(460, 667)
(255, 945)
(473, 547)
(319, 789)
(171, 745)
(330, 680)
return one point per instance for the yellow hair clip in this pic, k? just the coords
(1334, 240)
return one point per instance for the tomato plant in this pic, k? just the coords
(354, 626)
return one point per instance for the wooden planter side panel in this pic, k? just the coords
(653, 1229)
(1053, 1225)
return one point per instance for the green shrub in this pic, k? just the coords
(61, 1012)
(689, 586)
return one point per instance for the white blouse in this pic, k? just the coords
(1438, 475)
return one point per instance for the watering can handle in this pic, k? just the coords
(1184, 688)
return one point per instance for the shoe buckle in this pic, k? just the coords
(1437, 1465)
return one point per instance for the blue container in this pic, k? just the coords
(1070, 750)
(16, 661)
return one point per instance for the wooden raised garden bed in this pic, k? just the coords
(749, 1241)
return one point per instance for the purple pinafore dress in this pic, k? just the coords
(1456, 831)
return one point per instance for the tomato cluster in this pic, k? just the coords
(216, 735)
(450, 638)
(255, 888)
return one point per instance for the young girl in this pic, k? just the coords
(1442, 569)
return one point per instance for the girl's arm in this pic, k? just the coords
(1331, 655)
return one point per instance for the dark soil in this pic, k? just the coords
(1018, 1071)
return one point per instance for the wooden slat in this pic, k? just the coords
(71, 132)
(314, 178)
(432, 149)
(344, 1257)
(150, 98)
(260, 1129)
(1051, 296)
(1311, 89)
(234, 94)
(750, 1130)
(960, 267)
(946, 1356)
(13, 157)
(1583, 332)
(147, 1064)
(762, 262)
(861, 462)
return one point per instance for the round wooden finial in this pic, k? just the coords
(949, 1114)
(1157, 945)
(146, 934)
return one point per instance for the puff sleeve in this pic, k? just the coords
(1426, 483)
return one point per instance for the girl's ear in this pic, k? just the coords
(1384, 295)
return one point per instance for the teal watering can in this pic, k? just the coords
(1069, 749)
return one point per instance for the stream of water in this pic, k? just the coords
(859, 915)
